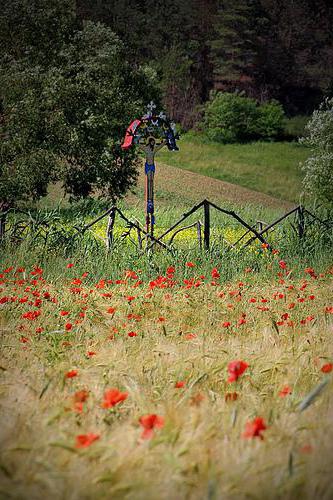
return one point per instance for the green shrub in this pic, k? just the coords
(271, 120)
(236, 118)
(318, 168)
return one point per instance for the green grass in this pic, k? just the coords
(271, 168)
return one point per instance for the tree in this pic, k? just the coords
(318, 168)
(65, 121)
(36, 29)
(237, 45)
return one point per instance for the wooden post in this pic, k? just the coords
(206, 225)
(301, 222)
(109, 230)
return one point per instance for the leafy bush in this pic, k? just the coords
(318, 168)
(236, 118)
(271, 119)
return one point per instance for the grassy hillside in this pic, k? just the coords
(271, 168)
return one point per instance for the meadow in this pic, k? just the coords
(171, 375)
(266, 167)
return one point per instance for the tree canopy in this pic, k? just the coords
(65, 108)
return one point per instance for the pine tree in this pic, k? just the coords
(237, 45)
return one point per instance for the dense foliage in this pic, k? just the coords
(236, 118)
(318, 167)
(65, 108)
(271, 50)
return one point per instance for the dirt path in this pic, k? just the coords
(195, 187)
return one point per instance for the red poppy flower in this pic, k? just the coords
(190, 336)
(180, 384)
(327, 368)
(68, 327)
(81, 396)
(71, 374)
(85, 440)
(37, 271)
(285, 391)
(282, 264)
(90, 354)
(170, 270)
(31, 315)
(24, 340)
(190, 264)
(130, 298)
(215, 273)
(149, 424)
(64, 313)
(111, 310)
(132, 334)
(112, 397)
(236, 369)
(255, 428)
(69, 265)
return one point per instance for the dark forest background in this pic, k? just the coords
(279, 49)
(270, 49)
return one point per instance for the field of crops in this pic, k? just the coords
(168, 377)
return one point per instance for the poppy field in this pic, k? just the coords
(178, 384)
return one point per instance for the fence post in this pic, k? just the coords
(206, 225)
(109, 230)
(301, 222)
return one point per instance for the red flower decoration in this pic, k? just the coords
(112, 397)
(255, 428)
(149, 424)
(85, 440)
(236, 369)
